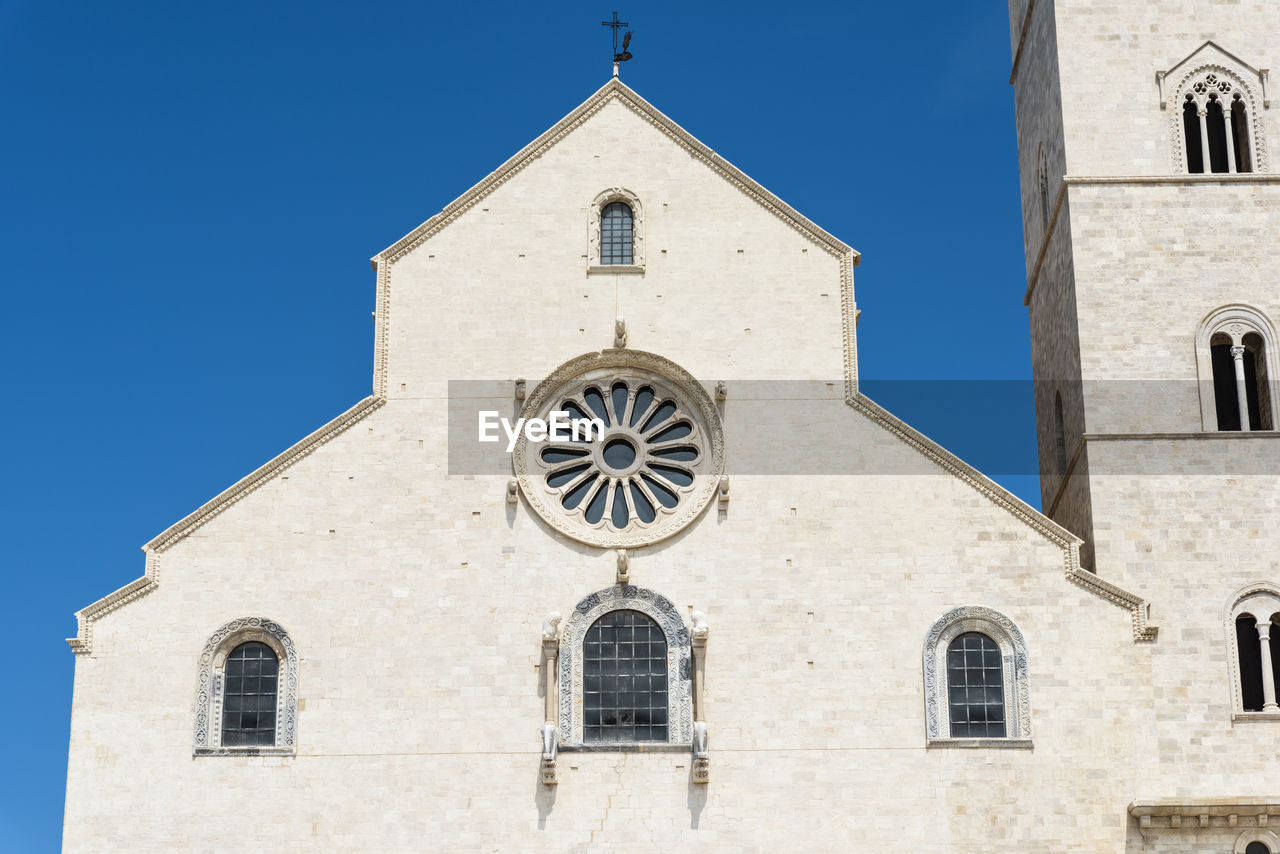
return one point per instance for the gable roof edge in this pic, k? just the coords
(82, 643)
(1139, 608)
(616, 89)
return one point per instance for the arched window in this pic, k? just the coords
(1059, 434)
(1253, 632)
(625, 671)
(249, 696)
(616, 234)
(1236, 365)
(975, 687)
(1257, 841)
(1214, 128)
(624, 682)
(976, 681)
(247, 690)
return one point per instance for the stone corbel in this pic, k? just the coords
(722, 390)
(723, 490)
(619, 333)
(520, 389)
(548, 731)
(699, 635)
(624, 566)
(1164, 101)
(513, 491)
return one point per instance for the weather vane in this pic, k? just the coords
(624, 55)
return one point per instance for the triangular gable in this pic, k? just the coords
(1208, 53)
(615, 89)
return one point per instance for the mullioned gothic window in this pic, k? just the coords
(977, 690)
(1214, 101)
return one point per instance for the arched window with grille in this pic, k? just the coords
(616, 233)
(977, 690)
(247, 690)
(1236, 356)
(625, 669)
(624, 682)
(249, 696)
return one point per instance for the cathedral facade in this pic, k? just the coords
(616, 556)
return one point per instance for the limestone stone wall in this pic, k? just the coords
(416, 599)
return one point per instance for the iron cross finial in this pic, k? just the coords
(616, 25)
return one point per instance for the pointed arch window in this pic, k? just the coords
(1237, 363)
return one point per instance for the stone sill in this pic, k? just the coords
(1256, 716)
(244, 751)
(997, 743)
(615, 268)
(658, 747)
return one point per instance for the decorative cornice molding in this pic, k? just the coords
(83, 641)
(1138, 607)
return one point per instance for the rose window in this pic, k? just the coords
(643, 461)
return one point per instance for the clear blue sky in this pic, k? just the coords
(191, 193)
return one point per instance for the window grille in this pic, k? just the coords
(624, 683)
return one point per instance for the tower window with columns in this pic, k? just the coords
(1216, 126)
(1235, 349)
(1255, 618)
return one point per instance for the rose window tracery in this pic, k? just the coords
(647, 466)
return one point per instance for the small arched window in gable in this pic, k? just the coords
(249, 698)
(616, 234)
(624, 682)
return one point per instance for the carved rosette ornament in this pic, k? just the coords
(649, 473)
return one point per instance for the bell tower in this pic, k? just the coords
(1149, 221)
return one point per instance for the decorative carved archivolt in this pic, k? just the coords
(1013, 653)
(679, 659)
(208, 723)
(673, 461)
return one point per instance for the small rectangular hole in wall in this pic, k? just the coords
(419, 443)
(486, 210)
(824, 295)
(831, 386)
(747, 330)
(332, 532)
(793, 511)
(664, 252)
(788, 562)
(810, 663)
(402, 387)
(351, 477)
(521, 255)
(475, 514)
(804, 251)
(741, 251)
(809, 615)
(431, 257)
